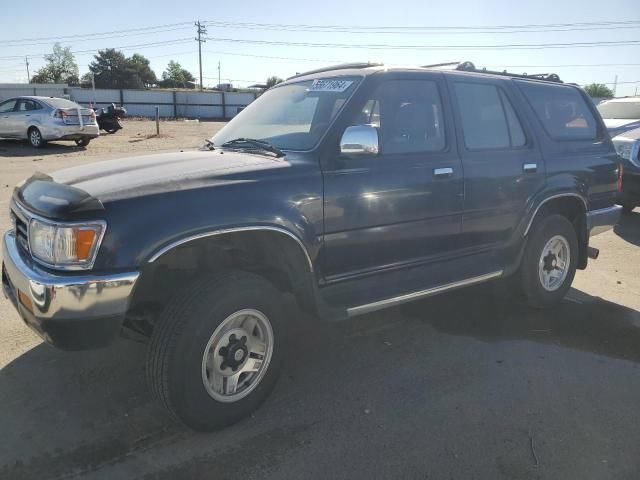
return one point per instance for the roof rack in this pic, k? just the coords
(342, 66)
(470, 67)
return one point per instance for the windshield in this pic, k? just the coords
(292, 116)
(626, 110)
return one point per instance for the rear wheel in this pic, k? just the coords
(549, 262)
(216, 352)
(35, 137)
(83, 142)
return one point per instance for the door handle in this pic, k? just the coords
(442, 172)
(530, 167)
(27, 115)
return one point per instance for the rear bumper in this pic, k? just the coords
(69, 132)
(72, 312)
(630, 188)
(603, 219)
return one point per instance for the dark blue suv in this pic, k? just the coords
(347, 190)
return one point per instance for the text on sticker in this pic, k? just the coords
(330, 85)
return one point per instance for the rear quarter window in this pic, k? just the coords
(562, 110)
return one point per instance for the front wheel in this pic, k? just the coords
(216, 352)
(549, 262)
(83, 142)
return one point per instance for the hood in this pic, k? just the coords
(616, 126)
(85, 189)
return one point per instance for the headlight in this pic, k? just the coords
(65, 245)
(628, 148)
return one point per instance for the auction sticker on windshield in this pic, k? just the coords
(330, 85)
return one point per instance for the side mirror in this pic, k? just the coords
(359, 140)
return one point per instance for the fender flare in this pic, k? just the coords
(224, 231)
(553, 197)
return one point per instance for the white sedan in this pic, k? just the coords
(39, 119)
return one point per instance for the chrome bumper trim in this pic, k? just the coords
(603, 219)
(66, 296)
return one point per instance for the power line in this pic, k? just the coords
(271, 57)
(100, 37)
(508, 46)
(434, 27)
(92, 34)
(407, 30)
(612, 83)
(124, 47)
(325, 60)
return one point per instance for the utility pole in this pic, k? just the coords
(219, 72)
(615, 85)
(201, 31)
(26, 61)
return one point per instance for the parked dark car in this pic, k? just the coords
(349, 189)
(627, 145)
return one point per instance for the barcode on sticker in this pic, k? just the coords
(330, 85)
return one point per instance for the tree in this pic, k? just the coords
(176, 77)
(598, 90)
(142, 68)
(271, 81)
(113, 70)
(61, 67)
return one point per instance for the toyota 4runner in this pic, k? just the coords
(350, 189)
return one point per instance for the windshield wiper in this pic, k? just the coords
(209, 144)
(258, 144)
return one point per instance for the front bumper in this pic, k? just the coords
(603, 219)
(72, 312)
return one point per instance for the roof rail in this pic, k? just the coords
(342, 66)
(470, 67)
(436, 65)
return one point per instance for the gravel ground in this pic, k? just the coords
(464, 385)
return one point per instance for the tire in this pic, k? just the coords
(537, 267)
(111, 130)
(35, 138)
(627, 207)
(83, 142)
(177, 362)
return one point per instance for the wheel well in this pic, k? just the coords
(273, 255)
(573, 209)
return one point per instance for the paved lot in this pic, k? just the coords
(465, 385)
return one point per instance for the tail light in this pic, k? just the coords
(620, 171)
(93, 114)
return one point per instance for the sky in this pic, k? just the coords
(253, 40)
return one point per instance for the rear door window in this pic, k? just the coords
(562, 110)
(488, 119)
(26, 105)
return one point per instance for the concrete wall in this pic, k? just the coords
(142, 103)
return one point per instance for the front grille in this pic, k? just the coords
(22, 232)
